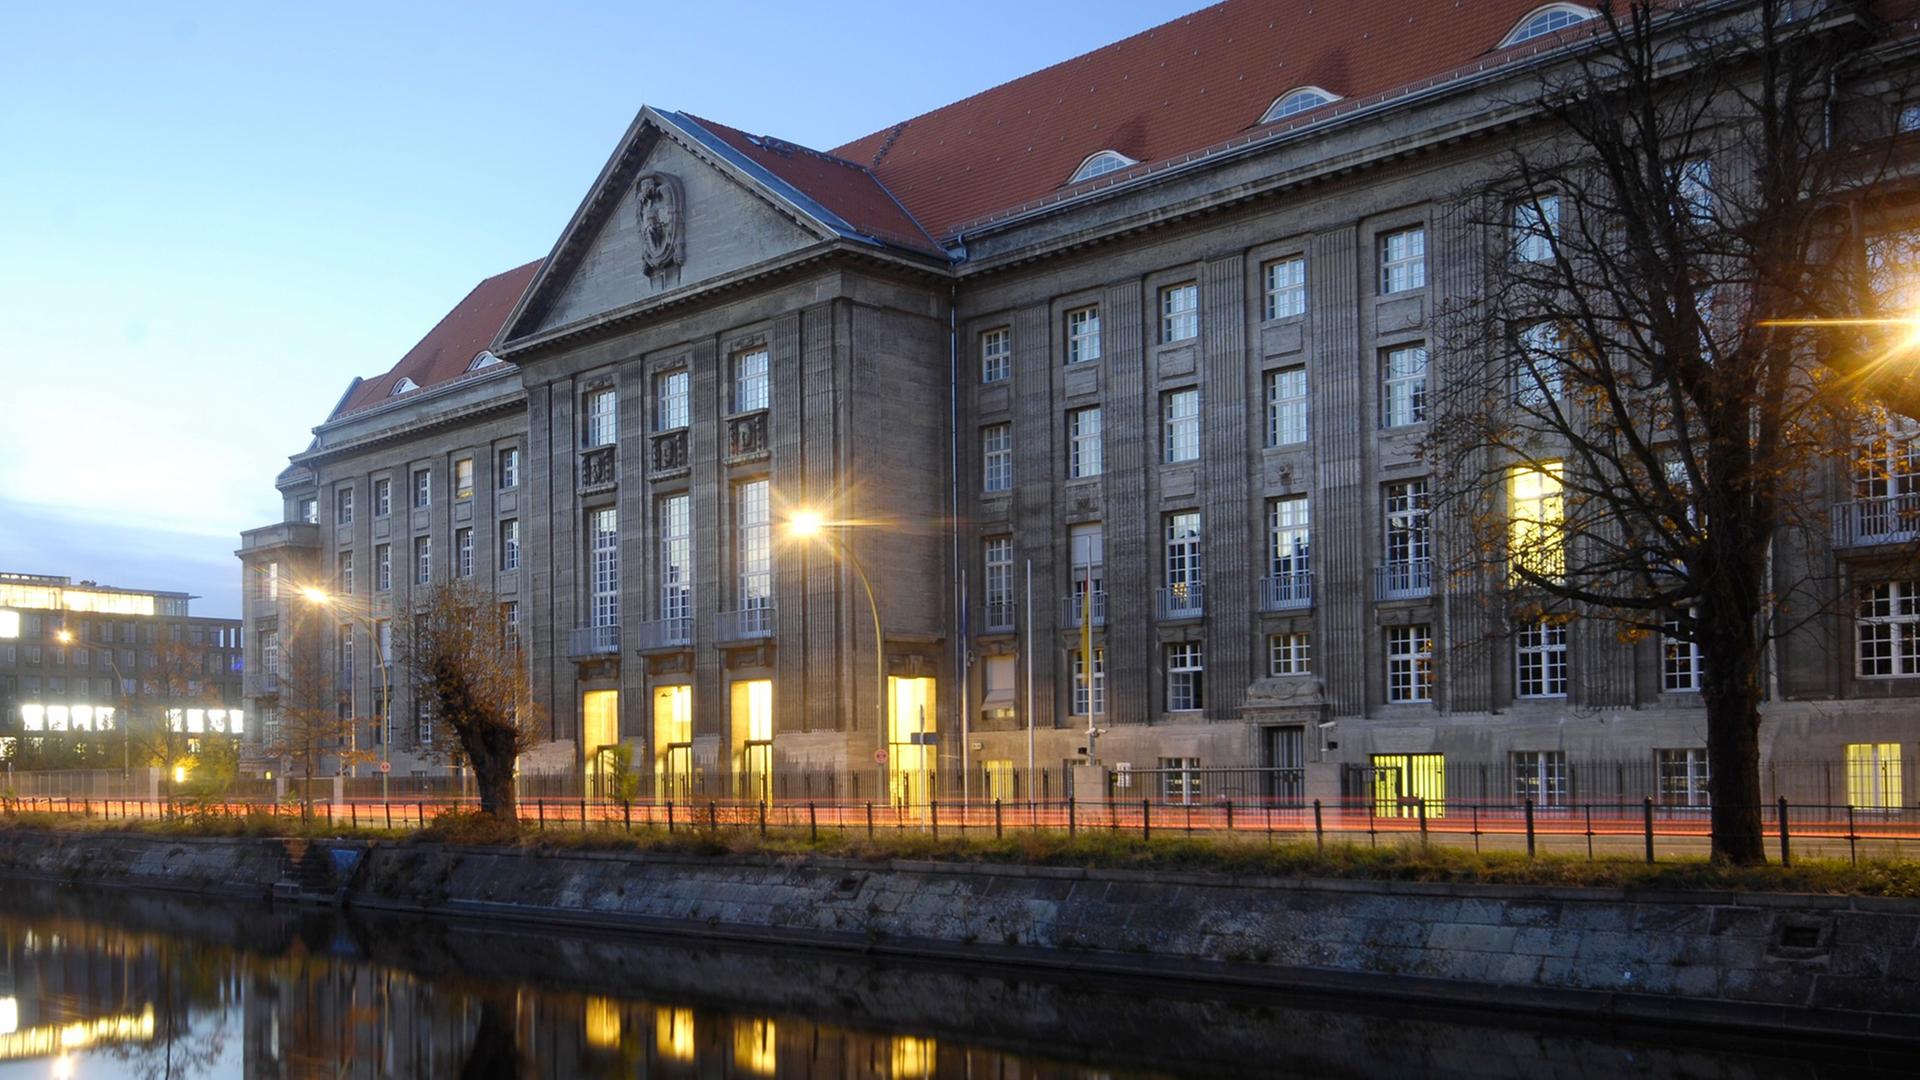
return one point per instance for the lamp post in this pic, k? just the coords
(807, 524)
(321, 598)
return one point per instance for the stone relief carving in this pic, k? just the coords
(661, 242)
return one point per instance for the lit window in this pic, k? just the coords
(1404, 378)
(1287, 287)
(1403, 260)
(1682, 667)
(750, 389)
(603, 551)
(1546, 20)
(1409, 663)
(510, 544)
(601, 409)
(463, 478)
(1083, 443)
(996, 355)
(1100, 164)
(1289, 654)
(9, 624)
(1873, 776)
(1540, 775)
(1083, 335)
(675, 522)
(670, 400)
(1287, 406)
(1536, 523)
(1180, 425)
(1536, 227)
(508, 473)
(1186, 677)
(1540, 660)
(1887, 629)
(1293, 102)
(996, 456)
(1180, 312)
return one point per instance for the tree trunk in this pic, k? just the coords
(1730, 647)
(492, 753)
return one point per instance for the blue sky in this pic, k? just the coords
(213, 215)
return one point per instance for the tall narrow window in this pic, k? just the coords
(602, 411)
(1180, 425)
(422, 488)
(1287, 406)
(1536, 227)
(1887, 628)
(753, 543)
(510, 624)
(1403, 260)
(1540, 659)
(1288, 536)
(1404, 371)
(423, 560)
(1287, 287)
(1180, 312)
(1185, 576)
(463, 551)
(382, 497)
(1090, 695)
(603, 553)
(1409, 663)
(996, 355)
(1186, 677)
(670, 400)
(1087, 554)
(344, 637)
(343, 506)
(676, 556)
(1539, 357)
(1083, 442)
(1540, 775)
(383, 567)
(510, 544)
(1536, 523)
(996, 457)
(507, 473)
(310, 511)
(997, 561)
(1083, 335)
(343, 573)
(750, 381)
(1682, 668)
(1684, 776)
(1408, 538)
(463, 478)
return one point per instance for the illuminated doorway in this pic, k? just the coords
(911, 753)
(599, 728)
(1401, 781)
(673, 743)
(753, 739)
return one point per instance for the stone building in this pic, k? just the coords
(1137, 340)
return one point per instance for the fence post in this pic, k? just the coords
(1070, 822)
(1146, 819)
(869, 819)
(1476, 828)
(626, 815)
(1421, 804)
(1853, 851)
(1229, 817)
(422, 807)
(713, 815)
(996, 819)
(540, 809)
(389, 811)
(1786, 848)
(763, 819)
(669, 817)
(1319, 828)
(1530, 852)
(813, 824)
(1646, 809)
(933, 811)
(1589, 832)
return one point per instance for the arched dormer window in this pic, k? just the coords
(485, 358)
(405, 384)
(1298, 100)
(1548, 19)
(1100, 164)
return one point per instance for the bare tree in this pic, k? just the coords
(176, 682)
(459, 654)
(1616, 419)
(311, 733)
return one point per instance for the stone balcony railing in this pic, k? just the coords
(599, 468)
(667, 455)
(1409, 579)
(746, 624)
(747, 436)
(1286, 592)
(674, 632)
(585, 642)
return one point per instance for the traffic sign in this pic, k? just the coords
(386, 766)
(880, 756)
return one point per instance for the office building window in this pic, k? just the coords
(1684, 777)
(510, 544)
(343, 506)
(1403, 260)
(1287, 287)
(997, 558)
(601, 410)
(675, 513)
(670, 400)
(1183, 567)
(1186, 677)
(1180, 425)
(996, 355)
(383, 567)
(1404, 385)
(343, 573)
(1180, 312)
(1409, 539)
(382, 497)
(1540, 775)
(1538, 360)
(463, 551)
(1874, 779)
(1289, 536)
(750, 381)
(1682, 668)
(603, 552)
(1090, 697)
(1887, 630)
(1290, 653)
(508, 471)
(422, 560)
(996, 457)
(1536, 227)
(344, 636)
(309, 511)
(1086, 551)
(1083, 442)
(270, 652)
(1540, 659)
(1083, 335)
(753, 541)
(463, 478)
(1287, 406)
(1409, 663)
(422, 489)
(510, 624)
(270, 582)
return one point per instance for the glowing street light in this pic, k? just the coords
(64, 636)
(808, 524)
(321, 598)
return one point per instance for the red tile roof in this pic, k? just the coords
(449, 348)
(1188, 84)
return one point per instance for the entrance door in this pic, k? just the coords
(1401, 779)
(1285, 757)
(672, 743)
(911, 729)
(599, 728)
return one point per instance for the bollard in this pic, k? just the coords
(869, 820)
(996, 819)
(1529, 828)
(713, 815)
(1319, 828)
(1786, 850)
(1646, 808)
(1146, 820)
(1421, 804)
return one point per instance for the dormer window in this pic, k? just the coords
(1101, 164)
(405, 384)
(1298, 100)
(1549, 19)
(485, 359)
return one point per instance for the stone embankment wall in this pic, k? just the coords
(1785, 962)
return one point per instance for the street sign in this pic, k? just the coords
(386, 766)
(880, 756)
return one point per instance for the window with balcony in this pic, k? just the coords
(1186, 677)
(1404, 385)
(997, 560)
(1540, 659)
(1409, 663)
(1886, 488)
(510, 544)
(1180, 425)
(1536, 523)
(1887, 630)
(996, 355)
(996, 457)
(1083, 443)
(1083, 335)
(675, 522)
(1184, 575)
(603, 553)
(1286, 288)
(1287, 406)
(1289, 581)
(753, 544)
(1290, 653)
(1409, 542)
(750, 391)
(1403, 260)
(1086, 556)
(1179, 312)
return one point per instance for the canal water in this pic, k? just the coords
(118, 985)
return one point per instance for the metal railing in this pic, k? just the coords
(1888, 519)
(1072, 605)
(746, 624)
(1284, 592)
(1187, 601)
(669, 633)
(999, 616)
(584, 641)
(1408, 580)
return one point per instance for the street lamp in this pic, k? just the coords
(321, 598)
(808, 524)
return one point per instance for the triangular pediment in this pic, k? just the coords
(666, 216)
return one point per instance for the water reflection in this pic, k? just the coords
(141, 987)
